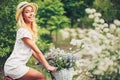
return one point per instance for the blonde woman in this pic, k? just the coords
(25, 47)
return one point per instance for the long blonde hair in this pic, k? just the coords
(21, 23)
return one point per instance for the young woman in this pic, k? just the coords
(25, 47)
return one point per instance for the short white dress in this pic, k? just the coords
(15, 66)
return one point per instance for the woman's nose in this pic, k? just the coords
(32, 14)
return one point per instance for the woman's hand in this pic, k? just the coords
(52, 68)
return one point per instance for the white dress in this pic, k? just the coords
(15, 66)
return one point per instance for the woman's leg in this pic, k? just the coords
(33, 74)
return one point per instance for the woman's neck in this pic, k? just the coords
(29, 25)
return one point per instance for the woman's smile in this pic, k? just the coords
(28, 14)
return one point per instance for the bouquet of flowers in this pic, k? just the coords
(61, 59)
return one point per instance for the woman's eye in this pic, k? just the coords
(27, 12)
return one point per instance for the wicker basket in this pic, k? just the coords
(64, 74)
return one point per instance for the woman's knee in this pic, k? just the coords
(39, 75)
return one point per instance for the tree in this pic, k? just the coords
(75, 9)
(106, 8)
(116, 5)
(7, 28)
(51, 15)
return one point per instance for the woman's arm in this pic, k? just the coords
(38, 54)
(35, 56)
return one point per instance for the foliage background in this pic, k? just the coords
(52, 16)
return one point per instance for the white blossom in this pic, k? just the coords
(106, 30)
(112, 28)
(105, 25)
(65, 34)
(102, 21)
(97, 14)
(95, 24)
(83, 64)
(88, 10)
(73, 35)
(93, 10)
(72, 30)
(96, 19)
(117, 22)
(101, 26)
(78, 20)
(108, 35)
(73, 42)
(76, 42)
(106, 42)
(118, 31)
(91, 16)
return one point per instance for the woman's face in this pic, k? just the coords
(28, 14)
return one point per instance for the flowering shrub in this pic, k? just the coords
(106, 60)
(61, 59)
(100, 46)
